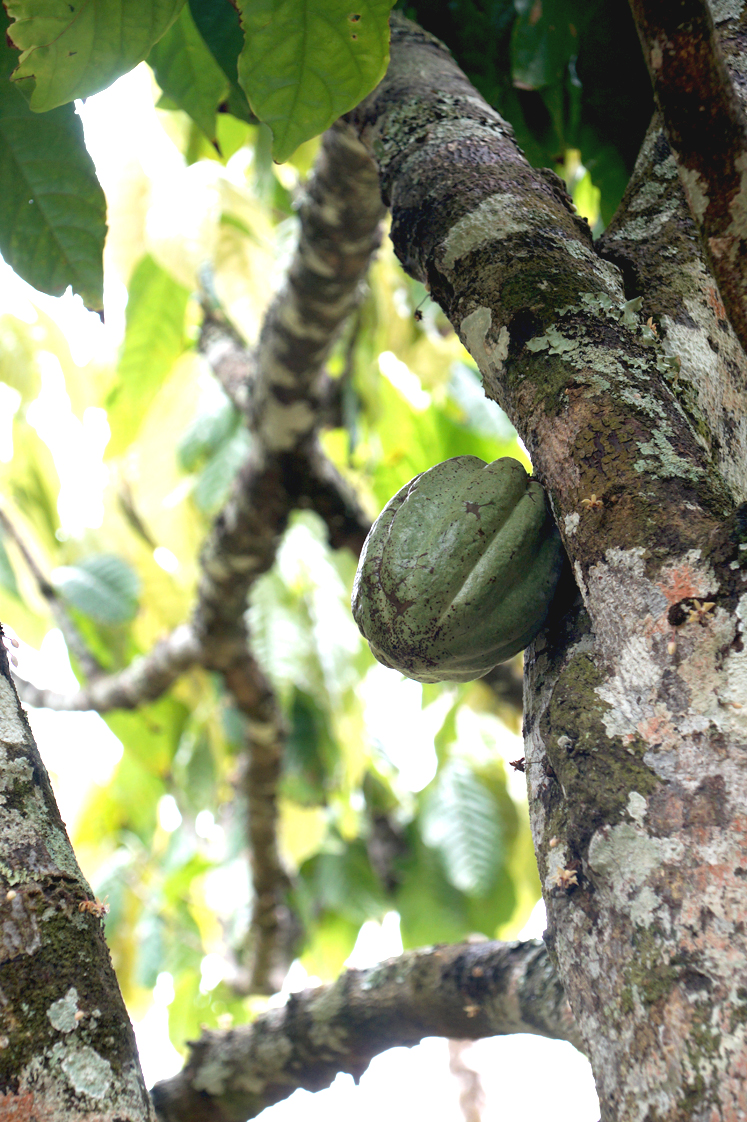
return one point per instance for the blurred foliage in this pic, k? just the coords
(375, 817)
(393, 797)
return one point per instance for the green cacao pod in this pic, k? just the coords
(458, 571)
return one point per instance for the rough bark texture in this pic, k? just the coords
(636, 723)
(654, 242)
(66, 1043)
(708, 132)
(473, 990)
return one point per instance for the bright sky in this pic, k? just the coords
(122, 130)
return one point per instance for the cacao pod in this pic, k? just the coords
(458, 571)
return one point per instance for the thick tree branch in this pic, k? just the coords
(653, 240)
(635, 724)
(707, 130)
(278, 387)
(469, 990)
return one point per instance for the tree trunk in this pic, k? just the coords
(67, 1048)
(636, 696)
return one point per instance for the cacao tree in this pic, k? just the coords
(204, 611)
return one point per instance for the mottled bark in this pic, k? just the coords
(654, 242)
(707, 130)
(473, 990)
(636, 722)
(66, 1043)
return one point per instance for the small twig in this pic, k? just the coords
(75, 644)
(471, 1094)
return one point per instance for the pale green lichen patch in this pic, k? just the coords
(489, 356)
(699, 200)
(670, 465)
(12, 727)
(624, 856)
(495, 218)
(726, 9)
(212, 1076)
(88, 1072)
(62, 1013)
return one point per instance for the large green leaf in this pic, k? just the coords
(103, 587)
(52, 209)
(188, 74)
(461, 819)
(153, 341)
(73, 48)
(218, 24)
(306, 62)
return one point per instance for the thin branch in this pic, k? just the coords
(229, 358)
(471, 1093)
(340, 231)
(707, 130)
(472, 990)
(88, 664)
(270, 942)
(142, 681)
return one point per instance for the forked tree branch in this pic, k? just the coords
(277, 386)
(468, 990)
(707, 130)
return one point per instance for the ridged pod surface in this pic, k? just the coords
(458, 571)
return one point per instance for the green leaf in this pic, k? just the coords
(461, 820)
(211, 489)
(306, 62)
(52, 208)
(153, 340)
(209, 430)
(188, 74)
(103, 587)
(218, 23)
(344, 883)
(7, 576)
(73, 48)
(310, 751)
(544, 39)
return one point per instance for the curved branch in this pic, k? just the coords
(142, 681)
(469, 990)
(708, 131)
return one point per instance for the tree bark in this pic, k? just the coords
(636, 722)
(67, 1048)
(473, 990)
